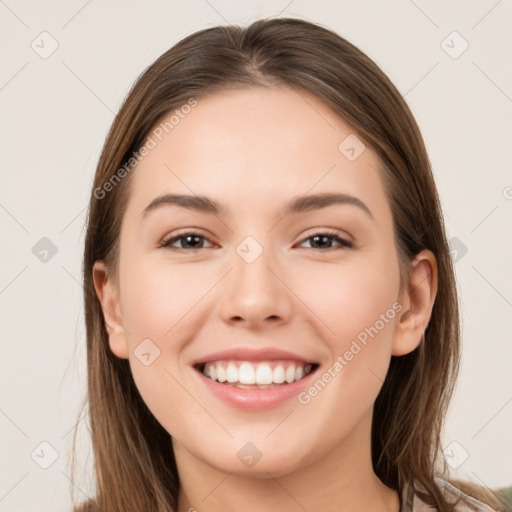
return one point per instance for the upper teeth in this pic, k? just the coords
(245, 372)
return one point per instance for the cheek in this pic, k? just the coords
(164, 303)
(356, 307)
(160, 303)
(359, 308)
(158, 297)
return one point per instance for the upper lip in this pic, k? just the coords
(251, 354)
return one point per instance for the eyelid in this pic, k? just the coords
(345, 242)
(330, 232)
(182, 234)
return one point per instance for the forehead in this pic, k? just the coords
(257, 144)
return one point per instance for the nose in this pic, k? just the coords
(255, 293)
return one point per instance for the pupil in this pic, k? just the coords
(190, 237)
(315, 238)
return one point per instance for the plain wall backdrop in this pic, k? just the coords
(65, 69)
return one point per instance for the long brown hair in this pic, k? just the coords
(134, 462)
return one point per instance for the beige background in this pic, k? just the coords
(55, 112)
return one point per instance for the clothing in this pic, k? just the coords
(411, 502)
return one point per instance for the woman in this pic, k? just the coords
(231, 366)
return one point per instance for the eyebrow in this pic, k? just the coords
(299, 204)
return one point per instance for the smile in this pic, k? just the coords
(256, 375)
(255, 385)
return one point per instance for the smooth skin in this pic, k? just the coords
(253, 150)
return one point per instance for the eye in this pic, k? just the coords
(191, 239)
(320, 238)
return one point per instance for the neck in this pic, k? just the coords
(341, 479)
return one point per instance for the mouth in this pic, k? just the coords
(256, 374)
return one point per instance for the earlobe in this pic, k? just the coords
(417, 301)
(108, 297)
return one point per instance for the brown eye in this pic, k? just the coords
(189, 241)
(321, 239)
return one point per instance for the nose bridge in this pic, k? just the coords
(254, 292)
(252, 261)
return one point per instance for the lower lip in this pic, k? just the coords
(252, 399)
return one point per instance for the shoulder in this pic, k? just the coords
(471, 496)
(467, 496)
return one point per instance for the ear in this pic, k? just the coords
(108, 297)
(417, 301)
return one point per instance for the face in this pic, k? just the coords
(320, 283)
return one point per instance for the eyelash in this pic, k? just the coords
(344, 244)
